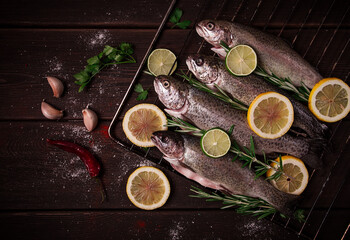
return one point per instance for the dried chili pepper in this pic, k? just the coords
(91, 163)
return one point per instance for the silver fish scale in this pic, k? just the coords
(247, 88)
(231, 176)
(207, 112)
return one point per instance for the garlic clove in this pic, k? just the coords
(90, 119)
(56, 85)
(50, 112)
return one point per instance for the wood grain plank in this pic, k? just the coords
(31, 168)
(140, 225)
(114, 14)
(28, 56)
(38, 176)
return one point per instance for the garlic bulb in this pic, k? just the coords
(50, 112)
(90, 119)
(56, 85)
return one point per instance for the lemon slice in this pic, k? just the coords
(215, 143)
(296, 176)
(141, 121)
(329, 100)
(270, 115)
(148, 188)
(160, 62)
(241, 60)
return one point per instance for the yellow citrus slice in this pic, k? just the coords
(148, 188)
(329, 100)
(296, 176)
(270, 115)
(160, 62)
(215, 143)
(141, 121)
(241, 60)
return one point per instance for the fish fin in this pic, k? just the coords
(190, 174)
(175, 113)
(219, 51)
(316, 148)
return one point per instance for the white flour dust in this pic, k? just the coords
(54, 65)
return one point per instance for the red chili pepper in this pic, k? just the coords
(92, 165)
(90, 161)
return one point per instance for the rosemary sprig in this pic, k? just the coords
(300, 93)
(244, 204)
(246, 155)
(220, 94)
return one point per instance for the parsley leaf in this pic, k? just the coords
(142, 96)
(109, 56)
(138, 88)
(142, 93)
(184, 24)
(175, 18)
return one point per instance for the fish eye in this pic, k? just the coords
(210, 25)
(199, 61)
(166, 84)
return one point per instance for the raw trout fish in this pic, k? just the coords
(184, 154)
(206, 112)
(211, 70)
(274, 55)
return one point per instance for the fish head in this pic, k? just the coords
(215, 31)
(171, 92)
(205, 68)
(171, 144)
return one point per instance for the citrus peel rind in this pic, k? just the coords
(148, 188)
(329, 100)
(296, 175)
(141, 121)
(270, 115)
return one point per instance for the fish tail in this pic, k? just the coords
(288, 207)
(283, 202)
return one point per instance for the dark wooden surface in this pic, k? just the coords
(46, 193)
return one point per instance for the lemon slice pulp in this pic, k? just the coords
(215, 143)
(270, 115)
(160, 62)
(329, 100)
(296, 176)
(141, 121)
(241, 60)
(148, 188)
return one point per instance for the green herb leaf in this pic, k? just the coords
(93, 60)
(82, 76)
(108, 56)
(126, 48)
(142, 96)
(107, 50)
(184, 24)
(175, 18)
(175, 15)
(138, 88)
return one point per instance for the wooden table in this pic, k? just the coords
(46, 193)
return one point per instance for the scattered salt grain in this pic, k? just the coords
(175, 232)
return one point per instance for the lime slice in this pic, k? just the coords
(241, 60)
(160, 62)
(148, 188)
(215, 143)
(329, 100)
